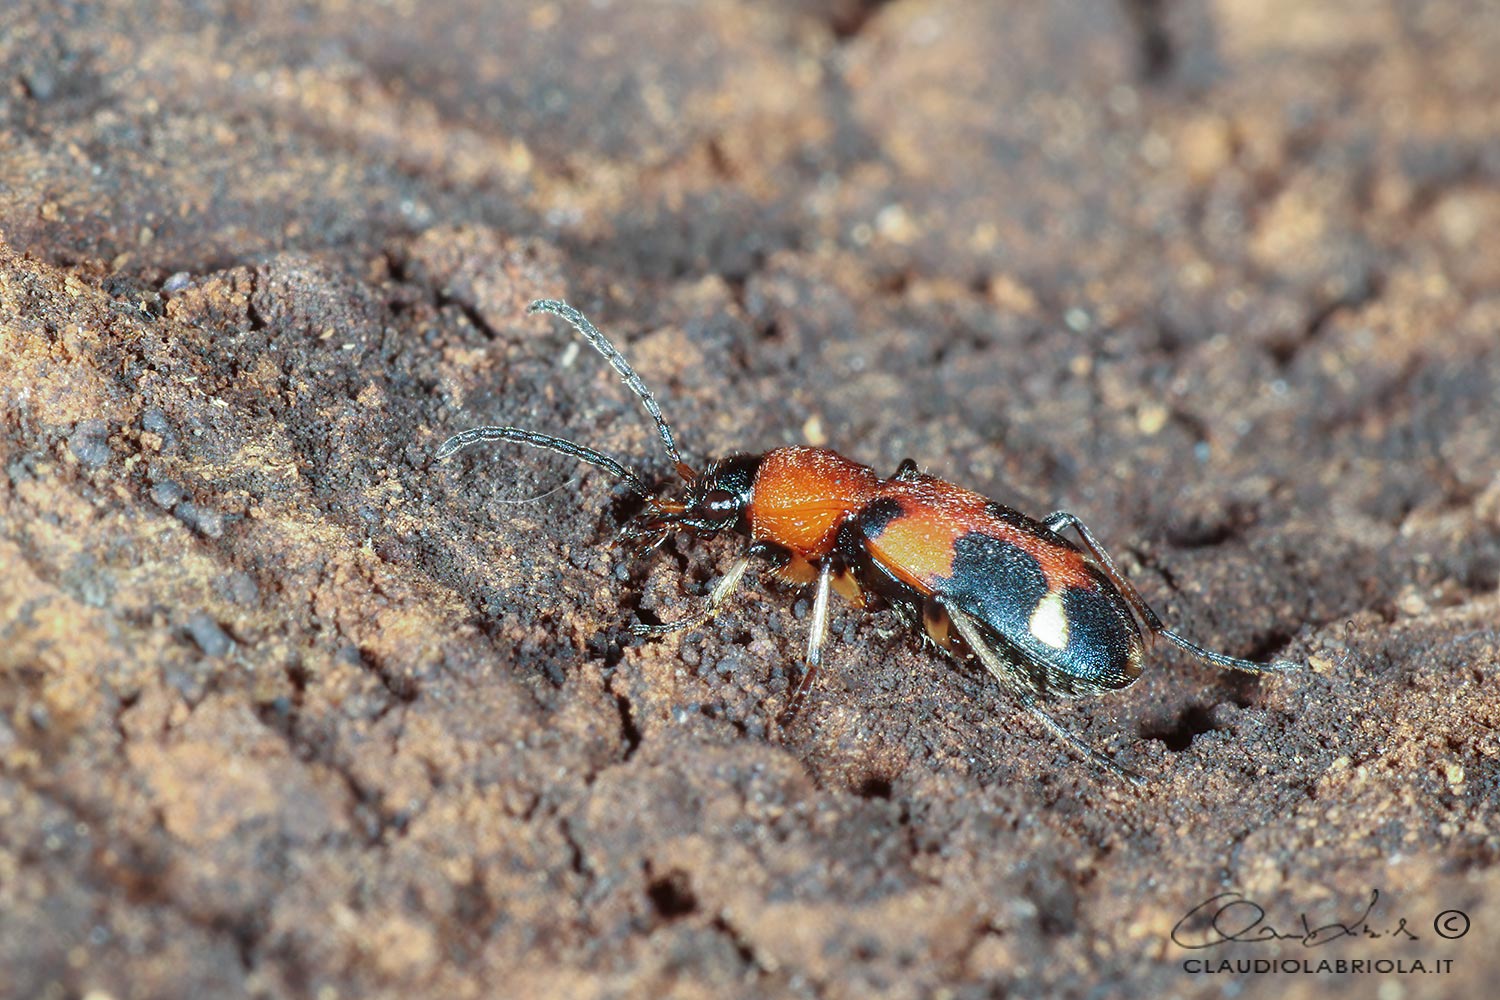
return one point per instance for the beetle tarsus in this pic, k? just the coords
(721, 592)
(1224, 660)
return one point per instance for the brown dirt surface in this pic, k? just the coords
(289, 709)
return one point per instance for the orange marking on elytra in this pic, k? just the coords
(918, 546)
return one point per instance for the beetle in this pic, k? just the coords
(1044, 615)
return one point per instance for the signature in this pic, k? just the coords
(1229, 916)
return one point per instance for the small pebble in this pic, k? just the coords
(208, 523)
(208, 634)
(167, 494)
(89, 443)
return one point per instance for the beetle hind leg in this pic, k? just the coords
(1019, 684)
(1089, 753)
(1062, 519)
(1224, 660)
(1059, 521)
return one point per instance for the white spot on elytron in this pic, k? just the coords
(1049, 621)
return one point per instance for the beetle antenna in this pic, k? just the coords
(579, 322)
(562, 446)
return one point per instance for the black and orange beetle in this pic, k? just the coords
(1043, 615)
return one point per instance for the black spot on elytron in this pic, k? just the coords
(1015, 519)
(1101, 635)
(874, 516)
(1000, 585)
(995, 582)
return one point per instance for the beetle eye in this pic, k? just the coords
(720, 501)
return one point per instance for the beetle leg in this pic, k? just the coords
(1008, 676)
(1062, 519)
(1222, 660)
(721, 591)
(1073, 741)
(816, 636)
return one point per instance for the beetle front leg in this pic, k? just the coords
(720, 593)
(816, 636)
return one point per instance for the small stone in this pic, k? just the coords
(208, 634)
(89, 443)
(207, 522)
(167, 494)
(1151, 419)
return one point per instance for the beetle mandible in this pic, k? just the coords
(1045, 616)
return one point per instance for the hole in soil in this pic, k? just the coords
(672, 896)
(848, 19)
(1178, 736)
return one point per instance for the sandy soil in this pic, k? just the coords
(288, 709)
